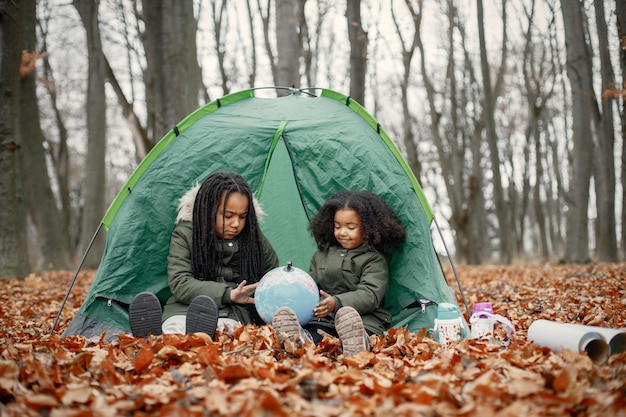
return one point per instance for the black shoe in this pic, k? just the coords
(202, 316)
(145, 314)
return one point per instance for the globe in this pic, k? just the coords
(286, 286)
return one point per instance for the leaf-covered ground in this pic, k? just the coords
(246, 374)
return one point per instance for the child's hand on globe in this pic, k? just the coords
(243, 293)
(325, 306)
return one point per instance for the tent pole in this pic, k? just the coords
(453, 268)
(80, 266)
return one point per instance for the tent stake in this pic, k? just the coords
(453, 268)
(80, 266)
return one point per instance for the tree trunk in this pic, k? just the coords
(519, 207)
(579, 74)
(539, 83)
(59, 154)
(218, 31)
(538, 205)
(504, 222)
(621, 33)
(42, 203)
(265, 18)
(172, 76)
(408, 138)
(606, 239)
(253, 57)
(288, 51)
(94, 181)
(557, 234)
(478, 237)
(140, 136)
(13, 251)
(305, 41)
(604, 161)
(358, 51)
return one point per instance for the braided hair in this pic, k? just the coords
(381, 228)
(206, 247)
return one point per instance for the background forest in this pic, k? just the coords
(510, 113)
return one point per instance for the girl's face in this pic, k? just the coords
(348, 228)
(231, 219)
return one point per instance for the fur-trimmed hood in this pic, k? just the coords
(186, 202)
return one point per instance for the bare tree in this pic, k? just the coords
(557, 152)
(322, 11)
(127, 102)
(41, 199)
(265, 18)
(253, 57)
(287, 47)
(579, 74)
(13, 254)
(220, 27)
(304, 39)
(138, 131)
(604, 156)
(470, 216)
(58, 151)
(408, 137)
(95, 108)
(502, 209)
(539, 82)
(358, 50)
(172, 76)
(621, 33)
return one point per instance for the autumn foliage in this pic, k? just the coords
(247, 374)
(29, 59)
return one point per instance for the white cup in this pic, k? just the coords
(447, 331)
(481, 327)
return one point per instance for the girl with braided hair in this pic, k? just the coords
(356, 233)
(217, 256)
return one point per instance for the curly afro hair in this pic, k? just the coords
(381, 228)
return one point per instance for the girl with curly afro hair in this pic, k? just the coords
(356, 233)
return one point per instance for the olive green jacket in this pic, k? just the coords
(357, 278)
(185, 287)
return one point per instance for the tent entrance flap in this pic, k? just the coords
(282, 203)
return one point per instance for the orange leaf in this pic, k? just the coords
(144, 359)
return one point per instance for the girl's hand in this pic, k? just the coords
(326, 306)
(243, 293)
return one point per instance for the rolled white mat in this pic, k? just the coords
(560, 336)
(615, 337)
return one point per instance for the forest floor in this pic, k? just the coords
(245, 374)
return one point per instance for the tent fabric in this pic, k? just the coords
(295, 151)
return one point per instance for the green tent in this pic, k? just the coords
(295, 151)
